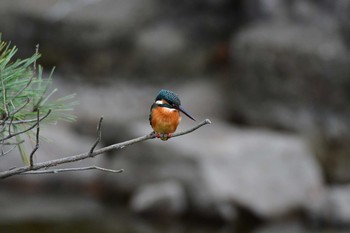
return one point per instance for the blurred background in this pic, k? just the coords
(272, 75)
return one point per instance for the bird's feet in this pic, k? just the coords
(164, 136)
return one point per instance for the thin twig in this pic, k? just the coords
(12, 143)
(3, 126)
(9, 128)
(20, 108)
(6, 152)
(99, 136)
(2, 147)
(36, 53)
(36, 139)
(23, 121)
(30, 128)
(12, 114)
(73, 158)
(23, 88)
(59, 170)
(205, 122)
(4, 102)
(13, 97)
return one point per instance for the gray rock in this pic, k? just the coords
(166, 47)
(294, 77)
(332, 206)
(268, 173)
(317, 14)
(43, 207)
(343, 15)
(163, 41)
(267, 58)
(268, 9)
(285, 227)
(97, 37)
(164, 199)
(87, 36)
(339, 204)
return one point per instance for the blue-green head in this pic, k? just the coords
(173, 100)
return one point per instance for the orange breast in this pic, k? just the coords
(165, 120)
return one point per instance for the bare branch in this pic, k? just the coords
(205, 122)
(59, 170)
(13, 97)
(26, 130)
(36, 53)
(20, 108)
(11, 114)
(22, 121)
(23, 88)
(6, 152)
(9, 129)
(4, 101)
(73, 158)
(99, 136)
(12, 143)
(36, 139)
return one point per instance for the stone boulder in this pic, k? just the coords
(91, 37)
(285, 227)
(285, 76)
(40, 207)
(164, 199)
(343, 16)
(332, 207)
(294, 77)
(132, 38)
(222, 167)
(320, 13)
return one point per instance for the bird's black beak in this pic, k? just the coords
(184, 111)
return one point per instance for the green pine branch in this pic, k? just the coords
(25, 92)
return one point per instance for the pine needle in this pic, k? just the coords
(27, 91)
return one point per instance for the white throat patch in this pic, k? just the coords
(166, 109)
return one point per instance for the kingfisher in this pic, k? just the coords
(165, 114)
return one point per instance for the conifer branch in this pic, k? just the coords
(23, 92)
(92, 153)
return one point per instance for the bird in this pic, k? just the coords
(165, 114)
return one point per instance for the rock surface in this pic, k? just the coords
(164, 199)
(294, 77)
(343, 16)
(124, 37)
(265, 63)
(288, 227)
(332, 207)
(290, 77)
(269, 174)
(39, 207)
